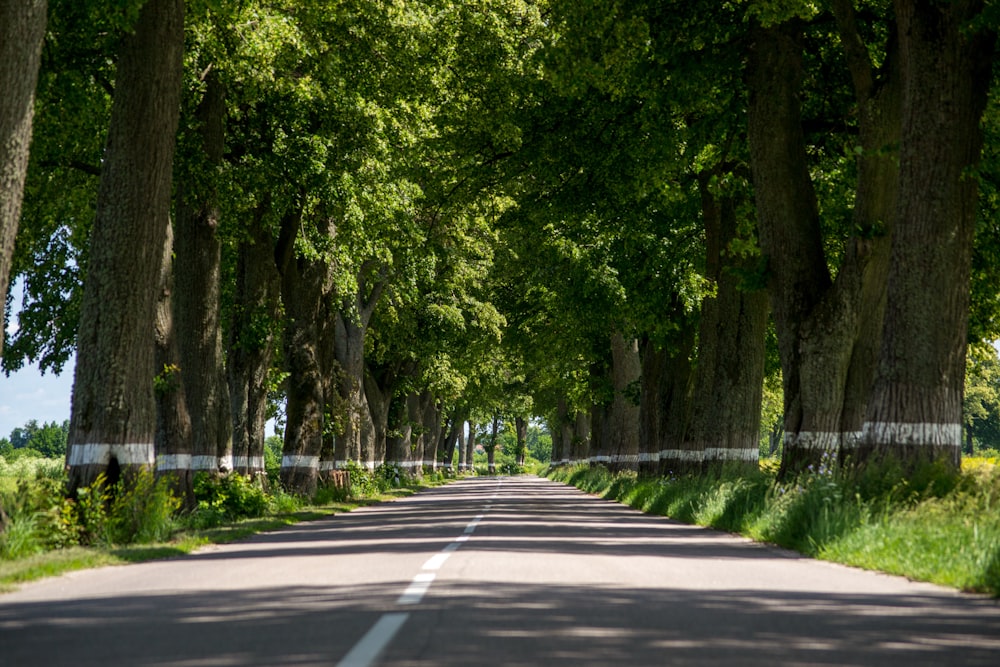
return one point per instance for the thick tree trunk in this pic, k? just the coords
(946, 65)
(725, 418)
(113, 418)
(173, 422)
(672, 398)
(623, 416)
(349, 350)
(250, 342)
(819, 322)
(305, 287)
(197, 277)
(22, 29)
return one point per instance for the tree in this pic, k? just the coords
(113, 415)
(22, 28)
(946, 67)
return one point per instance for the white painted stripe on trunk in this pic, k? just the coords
(167, 462)
(695, 455)
(819, 440)
(727, 454)
(340, 465)
(900, 433)
(249, 462)
(417, 589)
(649, 457)
(129, 454)
(370, 647)
(226, 463)
(299, 461)
(327, 466)
(205, 463)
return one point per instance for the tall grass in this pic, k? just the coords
(932, 525)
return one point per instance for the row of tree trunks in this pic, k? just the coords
(900, 298)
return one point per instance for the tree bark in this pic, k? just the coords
(198, 260)
(670, 400)
(113, 417)
(470, 445)
(22, 30)
(725, 419)
(305, 288)
(946, 66)
(250, 341)
(820, 323)
(173, 422)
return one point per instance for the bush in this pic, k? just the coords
(228, 497)
(138, 509)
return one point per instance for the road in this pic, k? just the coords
(509, 571)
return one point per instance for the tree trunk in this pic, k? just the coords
(562, 433)
(521, 433)
(431, 422)
(173, 422)
(463, 461)
(113, 420)
(198, 258)
(470, 445)
(672, 406)
(250, 342)
(725, 417)
(623, 416)
(349, 347)
(819, 321)
(580, 448)
(491, 446)
(916, 409)
(22, 30)
(305, 286)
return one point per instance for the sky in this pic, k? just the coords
(27, 394)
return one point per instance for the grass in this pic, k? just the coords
(930, 526)
(283, 510)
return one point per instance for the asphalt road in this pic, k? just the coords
(512, 571)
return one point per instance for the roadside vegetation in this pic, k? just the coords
(47, 533)
(931, 525)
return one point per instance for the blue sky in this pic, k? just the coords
(28, 394)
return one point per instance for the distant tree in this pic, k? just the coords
(48, 439)
(5, 447)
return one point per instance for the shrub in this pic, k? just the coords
(228, 497)
(138, 509)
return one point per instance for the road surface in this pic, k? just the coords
(486, 571)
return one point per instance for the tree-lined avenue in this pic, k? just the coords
(509, 571)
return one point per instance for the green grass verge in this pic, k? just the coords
(184, 540)
(931, 526)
